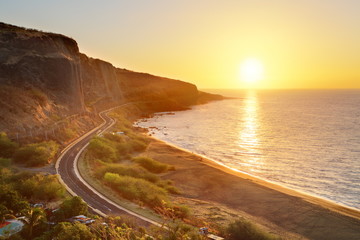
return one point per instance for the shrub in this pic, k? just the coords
(181, 211)
(122, 124)
(168, 186)
(36, 154)
(151, 164)
(243, 229)
(179, 230)
(102, 149)
(171, 189)
(21, 176)
(139, 137)
(5, 162)
(125, 170)
(114, 137)
(5, 175)
(123, 149)
(40, 187)
(136, 189)
(137, 145)
(7, 147)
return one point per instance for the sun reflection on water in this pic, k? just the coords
(248, 141)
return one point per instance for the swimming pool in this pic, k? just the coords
(11, 228)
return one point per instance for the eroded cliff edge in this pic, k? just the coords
(44, 78)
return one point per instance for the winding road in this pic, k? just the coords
(66, 168)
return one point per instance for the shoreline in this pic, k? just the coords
(326, 203)
(219, 194)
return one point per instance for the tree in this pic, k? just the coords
(41, 187)
(68, 231)
(12, 200)
(33, 217)
(73, 206)
(36, 154)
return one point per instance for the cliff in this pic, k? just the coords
(44, 78)
(48, 62)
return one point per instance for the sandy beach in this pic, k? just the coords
(220, 194)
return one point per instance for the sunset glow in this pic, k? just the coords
(301, 44)
(251, 71)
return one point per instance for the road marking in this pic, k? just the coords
(100, 129)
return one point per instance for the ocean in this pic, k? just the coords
(307, 140)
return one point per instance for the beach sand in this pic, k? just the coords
(220, 194)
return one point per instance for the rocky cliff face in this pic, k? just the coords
(48, 62)
(100, 82)
(56, 80)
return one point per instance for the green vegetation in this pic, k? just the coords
(179, 230)
(70, 133)
(41, 188)
(32, 187)
(115, 228)
(243, 229)
(122, 124)
(68, 231)
(71, 207)
(18, 188)
(5, 162)
(103, 149)
(36, 154)
(111, 159)
(34, 217)
(136, 189)
(151, 164)
(137, 145)
(114, 137)
(168, 186)
(7, 147)
(127, 170)
(11, 202)
(113, 147)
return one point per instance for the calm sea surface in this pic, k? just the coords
(308, 140)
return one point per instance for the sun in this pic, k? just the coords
(251, 70)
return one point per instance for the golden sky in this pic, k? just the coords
(301, 44)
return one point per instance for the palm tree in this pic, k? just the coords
(33, 217)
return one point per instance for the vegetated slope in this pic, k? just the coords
(44, 78)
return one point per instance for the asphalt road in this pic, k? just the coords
(71, 179)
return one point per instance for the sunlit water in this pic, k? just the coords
(307, 140)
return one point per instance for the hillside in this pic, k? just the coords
(44, 79)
